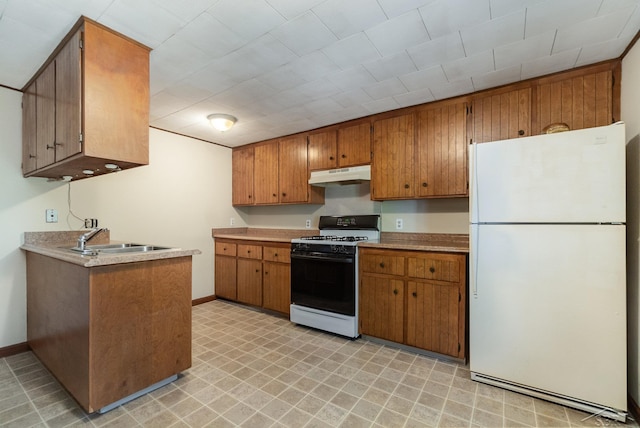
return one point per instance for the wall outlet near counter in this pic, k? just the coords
(232, 221)
(399, 224)
(90, 223)
(307, 224)
(51, 215)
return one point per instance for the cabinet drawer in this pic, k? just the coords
(382, 263)
(441, 267)
(226, 248)
(250, 251)
(277, 254)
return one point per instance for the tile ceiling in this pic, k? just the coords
(285, 66)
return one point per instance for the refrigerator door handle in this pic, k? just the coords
(473, 259)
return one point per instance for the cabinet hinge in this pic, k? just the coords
(81, 43)
(80, 138)
(469, 109)
(458, 346)
(460, 295)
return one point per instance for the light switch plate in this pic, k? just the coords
(51, 215)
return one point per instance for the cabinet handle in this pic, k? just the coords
(257, 270)
(58, 144)
(266, 273)
(406, 186)
(274, 195)
(331, 158)
(395, 291)
(51, 147)
(344, 156)
(381, 265)
(521, 132)
(248, 251)
(32, 156)
(249, 196)
(414, 294)
(424, 184)
(432, 269)
(284, 194)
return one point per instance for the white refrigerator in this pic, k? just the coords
(547, 270)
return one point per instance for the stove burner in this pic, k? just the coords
(335, 238)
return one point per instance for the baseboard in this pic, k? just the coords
(634, 409)
(14, 349)
(203, 300)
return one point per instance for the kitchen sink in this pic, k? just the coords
(117, 249)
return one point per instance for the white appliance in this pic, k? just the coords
(547, 267)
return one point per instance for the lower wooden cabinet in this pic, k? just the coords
(255, 273)
(414, 298)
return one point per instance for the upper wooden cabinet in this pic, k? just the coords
(274, 172)
(501, 116)
(392, 171)
(242, 175)
(87, 106)
(442, 151)
(420, 155)
(581, 101)
(348, 146)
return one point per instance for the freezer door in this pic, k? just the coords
(547, 308)
(568, 177)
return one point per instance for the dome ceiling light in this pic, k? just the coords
(222, 122)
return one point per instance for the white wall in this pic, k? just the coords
(424, 216)
(175, 200)
(631, 115)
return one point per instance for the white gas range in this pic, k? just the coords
(324, 273)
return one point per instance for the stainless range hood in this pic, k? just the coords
(341, 176)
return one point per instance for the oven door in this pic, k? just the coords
(324, 281)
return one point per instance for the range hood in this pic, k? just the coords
(341, 176)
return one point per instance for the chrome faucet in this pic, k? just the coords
(86, 237)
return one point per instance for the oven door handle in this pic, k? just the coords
(323, 258)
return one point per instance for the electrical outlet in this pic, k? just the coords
(399, 224)
(307, 224)
(51, 215)
(90, 223)
(232, 221)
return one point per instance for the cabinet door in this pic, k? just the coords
(433, 317)
(265, 177)
(442, 151)
(46, 117)
(322, 151)
(354, 145)
(293, 170)
(393, 151)
(580, 102)
(68, 108)
(381, 307)
(249, 284)
(276, 286)
(225, 278)
(502, 116)
(29, 127)
(242, 176)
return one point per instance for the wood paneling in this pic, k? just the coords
(582, 101)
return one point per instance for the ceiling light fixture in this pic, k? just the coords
(222, 122)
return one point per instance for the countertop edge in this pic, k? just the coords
(106, 259)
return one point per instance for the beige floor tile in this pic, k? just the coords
(252, 369)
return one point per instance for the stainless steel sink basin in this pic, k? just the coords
(117, 249)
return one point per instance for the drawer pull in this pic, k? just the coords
(275, 254)
(432, 269)
(406, 186)
(521, 132)
(248, 251)
(395, 291)
(424, 184)
(381, 265)
(414, 294)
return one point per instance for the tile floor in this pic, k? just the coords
(252, 369)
